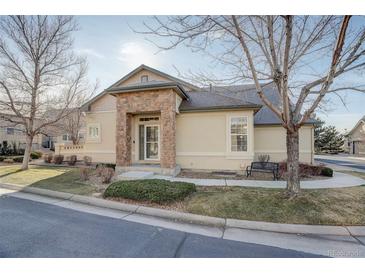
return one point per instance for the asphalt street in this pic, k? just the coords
(345, 163)
(33, 229)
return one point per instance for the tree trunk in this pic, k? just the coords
(28, 149)
(292, 147)
(75, 140)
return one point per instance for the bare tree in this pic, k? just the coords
(39, 73)
(301, 55)
(73, 123)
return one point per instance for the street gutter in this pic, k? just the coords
(190, 218)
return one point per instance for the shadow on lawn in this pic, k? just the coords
(11, 172)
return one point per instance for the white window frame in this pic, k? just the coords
(68, 137)
(10, 129)
(93, 138)
(145, 142)
(144, 76)
(229, 135)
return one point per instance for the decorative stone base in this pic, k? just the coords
(156, 169)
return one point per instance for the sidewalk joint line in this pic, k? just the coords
(224, 227)
(130, 213)
(353, 236)
(179, 247)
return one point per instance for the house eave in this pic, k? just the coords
(118, 90)
(220, 108)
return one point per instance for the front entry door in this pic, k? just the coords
(151, 142)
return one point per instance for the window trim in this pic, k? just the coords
(144, 76)
(12, 129)
(145, 142)
(229, 134)
(93, 138)
(67, 137)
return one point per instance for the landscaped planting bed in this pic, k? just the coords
(154, 190)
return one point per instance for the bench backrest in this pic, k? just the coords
(264, 165)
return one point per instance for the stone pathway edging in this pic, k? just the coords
(194, 218)
(339, 180)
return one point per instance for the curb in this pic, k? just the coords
(181, 216)
(289, 228)
(197, 219)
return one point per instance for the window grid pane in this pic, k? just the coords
(238, 133)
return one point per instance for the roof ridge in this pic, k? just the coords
(161, 73)
(234, 98)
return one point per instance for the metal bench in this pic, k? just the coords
(267, 167)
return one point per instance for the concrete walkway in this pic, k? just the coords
(342, 162)
(337, 181)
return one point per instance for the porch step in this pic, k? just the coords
(135, 175)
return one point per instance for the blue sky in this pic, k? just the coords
(113, 50)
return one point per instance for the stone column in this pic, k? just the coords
(167, 135)
(123, 138)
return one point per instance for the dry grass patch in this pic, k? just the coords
(326, 206)
(53, 178)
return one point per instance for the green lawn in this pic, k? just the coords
(344, 206)
(53, 178)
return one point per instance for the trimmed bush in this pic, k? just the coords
(48, 158)
(85, 173)
(8, 161)
(154, 190)
(304, 169)
(35, 154)
(87, 160)
(71, 160)
(18, 159)
(326, 171)
(58, 159)
(106, 174)
(106, 165)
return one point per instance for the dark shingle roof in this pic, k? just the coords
(206, 100)
(248, 94)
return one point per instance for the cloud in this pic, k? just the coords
(133, 54)
(90, 52)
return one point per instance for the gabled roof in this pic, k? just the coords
(174, 82)
(149, 86)
(205, 99)
(362, 120)
(160, 73)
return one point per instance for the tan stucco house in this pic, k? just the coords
(356, 138)
(14, 133)
(152, 120)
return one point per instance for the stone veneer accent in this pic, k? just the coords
(158, 101)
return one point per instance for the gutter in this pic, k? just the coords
(171, 215)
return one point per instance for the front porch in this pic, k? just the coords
(145, 132)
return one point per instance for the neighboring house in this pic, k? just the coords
(13, 133)
(356, 138)
(149, 117)
(53, 139)
(61, 132)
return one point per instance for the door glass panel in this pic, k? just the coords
(141, 142)
(151, 142)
